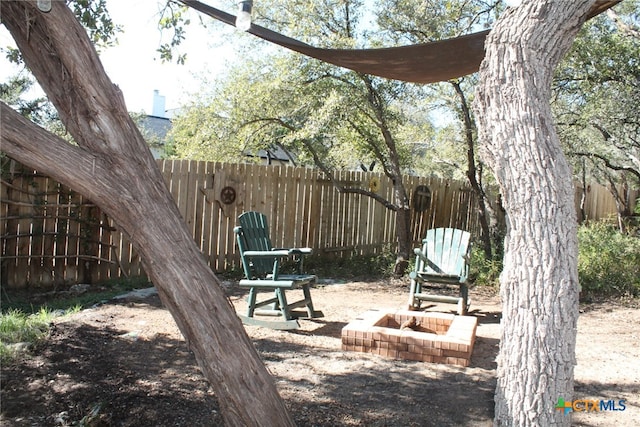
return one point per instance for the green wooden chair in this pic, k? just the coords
(442, 259)
(261, 263)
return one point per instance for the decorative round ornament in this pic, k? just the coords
(421, 198)
(228, 195)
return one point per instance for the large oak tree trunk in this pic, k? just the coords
(539, 283)
(113, 167)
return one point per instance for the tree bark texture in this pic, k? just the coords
(403, 231)
(539, 283)
(113, 167)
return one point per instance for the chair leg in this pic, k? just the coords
(282, 301)
(308, 302)
(251, 302)
(463, 305)
(414, 288)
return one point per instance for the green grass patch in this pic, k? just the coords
(20, 332)
(25, 317)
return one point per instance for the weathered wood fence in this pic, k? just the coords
(51, 236)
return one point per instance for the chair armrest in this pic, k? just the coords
(295, 251)
(420, 254)
(266, 254)
(427, 261)
(300, 251)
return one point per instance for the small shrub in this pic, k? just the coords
(357, 266)
(483, 271)
(608, 261)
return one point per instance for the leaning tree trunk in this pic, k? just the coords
(403, 232)
(113, 167)
(539, 283)
(472, 172)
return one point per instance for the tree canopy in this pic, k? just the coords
(596, 100)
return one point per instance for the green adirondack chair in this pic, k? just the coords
(261, 263)
(442, 259)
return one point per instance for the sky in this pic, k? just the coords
(134, 64)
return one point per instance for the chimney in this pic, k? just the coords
(158, 104)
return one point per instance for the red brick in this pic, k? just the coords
(409, 356)
(432, 351)
(452, 353)
(434, 344)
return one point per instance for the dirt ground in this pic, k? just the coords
(124, 363)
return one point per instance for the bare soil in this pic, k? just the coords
(125, 363)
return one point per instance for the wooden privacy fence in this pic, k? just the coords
(598, 201)
(51, 236)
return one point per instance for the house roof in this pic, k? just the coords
(274, 153)
(156, 126)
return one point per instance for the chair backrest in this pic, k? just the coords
(447, 249)
(253, 235)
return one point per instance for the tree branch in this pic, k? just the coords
(73, 102)
(30, 144)
(622, 26)
(608, 163)
(384, 202)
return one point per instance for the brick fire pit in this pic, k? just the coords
(427, 336)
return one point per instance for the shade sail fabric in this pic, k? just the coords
(418, 63)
